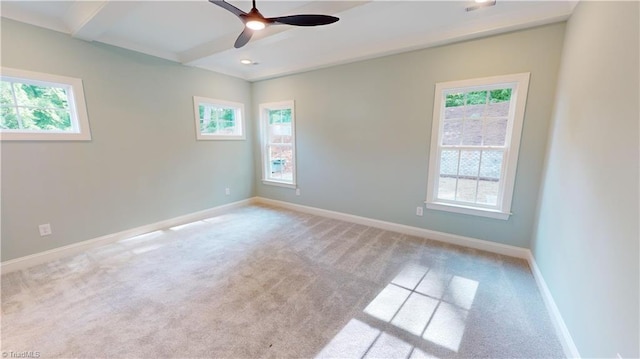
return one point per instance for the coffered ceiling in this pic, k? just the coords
(197, 33)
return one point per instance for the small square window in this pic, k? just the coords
(218, 119)
(39, 106)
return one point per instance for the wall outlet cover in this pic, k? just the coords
(45, 229)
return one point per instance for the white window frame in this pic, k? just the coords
(238, 109)
(77, 107)
(520, 85)
(264, 123)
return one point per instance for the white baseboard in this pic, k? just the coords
(469, 242)
(60, 252)
(570, 349)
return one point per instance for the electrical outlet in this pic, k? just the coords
(419, 211)
(297, 191)
(45, 229)
(227, 191)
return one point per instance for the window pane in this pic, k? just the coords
(454, 99)
(217, 120)
(208, 126)
(6, 97)
(469, 163)
(454, 112)
(227, 127)
(476, 98)
(474, 111)
(45, 119)
(280, 116)
(9, 118)
(280, 133)
(286, 115)
(500, 109)
(495, 131)
(287, 138)
(208, 123)
(466, 191)
(40, 107)
(501, 95)
(454, 106)
(488, 192)
(449, 162)
(472, 135)
(452, 132)
(491, 166)
(447, 188)
(499, 102)
(274, 117)
(227, 114)
(40, 96)
(281, 162)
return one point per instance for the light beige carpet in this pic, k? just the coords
(265, 282)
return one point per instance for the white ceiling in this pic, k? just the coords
(197, 33)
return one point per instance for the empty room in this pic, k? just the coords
(320, 179)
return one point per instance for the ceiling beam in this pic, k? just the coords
(87, 20)
(202, 52)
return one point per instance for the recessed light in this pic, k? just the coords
(480, 4)
(246, 61)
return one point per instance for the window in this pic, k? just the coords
(278, 143)
(474, 144)
(38, 106)
(218, 119)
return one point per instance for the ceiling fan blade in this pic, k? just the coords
(225, 5)
(304, 20)
(244, 37)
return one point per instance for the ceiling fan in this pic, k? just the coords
(254, 21)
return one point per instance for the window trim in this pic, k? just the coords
(77, 107)
(239, 117)
(263, 118)
(502, 210)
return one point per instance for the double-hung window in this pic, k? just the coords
(277, 125)
(38, 106)
(474, 145)
(218, 119)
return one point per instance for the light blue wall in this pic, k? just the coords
(143, 164)
(586, 241)
(363, 130)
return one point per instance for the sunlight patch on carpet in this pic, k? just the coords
(429, 305)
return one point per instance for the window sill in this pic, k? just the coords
(279, 184)
(45, 136)
(202, 137)
(473, 211)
